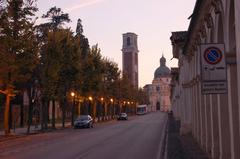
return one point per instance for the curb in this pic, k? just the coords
(162, 144)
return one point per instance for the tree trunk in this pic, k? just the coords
(46, 115)
(64, 112)
(53, 114)
(29, 116)
(31, 94)
(6, 115)
(94, 105)
(22, 115)
(42, 114)
(73, 110)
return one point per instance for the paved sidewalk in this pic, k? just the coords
(33, 129)
(181, 146)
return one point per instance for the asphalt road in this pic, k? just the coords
(138, 138)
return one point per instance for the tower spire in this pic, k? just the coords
(162, 60)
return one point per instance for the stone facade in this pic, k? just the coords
(159, 90)
(213, 119)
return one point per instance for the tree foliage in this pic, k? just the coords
(18, 48)
(56, 18)
(18, 51)
(59, 59)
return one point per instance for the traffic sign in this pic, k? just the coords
(213, 55)
(213, 69)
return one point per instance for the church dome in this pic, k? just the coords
(162, 70)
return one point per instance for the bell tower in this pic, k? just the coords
(130, 57)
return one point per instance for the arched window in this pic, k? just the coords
(220, 38)
(128, 41)
(232, 37)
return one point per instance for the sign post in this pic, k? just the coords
(213, 69)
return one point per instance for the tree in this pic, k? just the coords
(50, 65)
(83, 41)
(111, 78)
(52, 37)
(69, 74)
(79, 28)
(91, 71)
(18, 50)
(56, 18)
(142, 97)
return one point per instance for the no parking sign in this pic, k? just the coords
(213, 69)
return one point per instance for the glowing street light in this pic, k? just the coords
(111, 100)
(90, 98)
(102, 99)
(73, 106)
(72, 94)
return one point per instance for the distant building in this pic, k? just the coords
(159, 91)
(130, 57)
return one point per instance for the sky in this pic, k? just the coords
(104, 22)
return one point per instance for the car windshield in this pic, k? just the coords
(83, 118)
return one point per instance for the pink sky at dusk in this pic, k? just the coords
(104, 22)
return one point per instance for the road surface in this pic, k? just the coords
(138, 138)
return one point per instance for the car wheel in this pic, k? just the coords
(89, 125)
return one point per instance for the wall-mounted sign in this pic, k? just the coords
(213, 69)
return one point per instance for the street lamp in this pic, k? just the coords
(72, 94)
(73, 101)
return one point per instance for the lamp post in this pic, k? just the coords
(103, 111)
(112, 110)
(73, 102)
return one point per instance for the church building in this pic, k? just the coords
(159, 90)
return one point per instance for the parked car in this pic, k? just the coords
(84, 121)
(122, 116)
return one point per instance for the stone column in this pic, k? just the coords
(202, 116)
(225, 149)
(198, 109)
(215, 127)
(233, 111)
(208, 125)
(237, 29)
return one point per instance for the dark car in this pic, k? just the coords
(122, 116)
(84, 121)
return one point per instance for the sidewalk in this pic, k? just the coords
(181, 146)
(33, 129)
(36, 129)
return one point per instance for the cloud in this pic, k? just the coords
(83, 4)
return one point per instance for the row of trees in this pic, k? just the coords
(52, 59)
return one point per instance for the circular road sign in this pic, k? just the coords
(213, 55)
